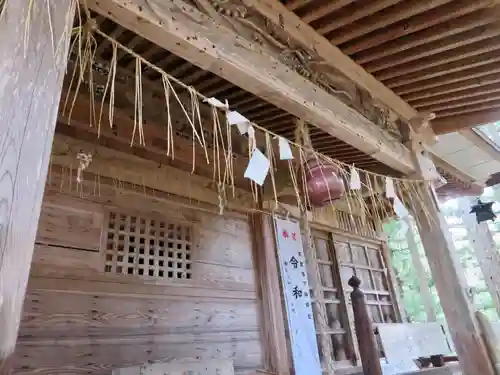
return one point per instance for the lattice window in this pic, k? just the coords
(331, 304)
(364, 226)
(367, 263)
(137, 245)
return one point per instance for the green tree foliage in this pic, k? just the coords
(406, 274)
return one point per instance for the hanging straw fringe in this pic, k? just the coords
(85, 44)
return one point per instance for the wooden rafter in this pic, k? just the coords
(352, 14)
(465, 75)
(456, 123)
(430, 49)
(324, 10)
(452, 67)
(439, 108)
(471, 93)
(439, 31)
(392, 15)
(454, 87)
(469, 109)
(416, 23)
(457, 54)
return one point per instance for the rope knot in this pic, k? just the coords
(84, 159)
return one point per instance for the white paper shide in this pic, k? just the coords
(258, 167)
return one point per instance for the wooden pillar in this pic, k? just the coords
(425, 291)
(459, 315)
(485, 249)
(276, 354)
(33, 57)
(367, 343)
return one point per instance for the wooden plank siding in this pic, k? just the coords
(79, 319)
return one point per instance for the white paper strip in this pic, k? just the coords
(298, 302)
(258, 167)
(285, 149)
(390, 192)
(217, 103)
(236, 118)
(355, 181)
(400, 209)
(243, 127)
(429, 171)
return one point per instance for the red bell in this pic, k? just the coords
(323, 183)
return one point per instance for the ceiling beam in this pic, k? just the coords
(430, 34)
(473, 93)
(452, 105)
(442, 70)
(392, 15)
(454, 87)
(462, 76)
(414, 24)
(185, 31)
(468, 109)
(434, 48)
(456, 123)
(440, 59)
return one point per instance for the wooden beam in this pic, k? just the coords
(485, 250)
(430, 34)
(210, 45)
(414, 24)
(32, 69)
(124, 166)
(453, 171)
(82, 125)
(307, 37)
(455, 123)
(446, 272)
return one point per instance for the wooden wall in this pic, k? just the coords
(78, 319)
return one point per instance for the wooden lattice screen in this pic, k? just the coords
(331, 303)
(145, 246)
(338, 258)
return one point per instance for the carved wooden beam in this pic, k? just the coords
(212, 43)
(330, 55)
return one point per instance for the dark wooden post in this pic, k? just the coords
(274, 342)
(364, 331)
(33, 57)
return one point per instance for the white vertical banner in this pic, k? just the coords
(298, 301)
